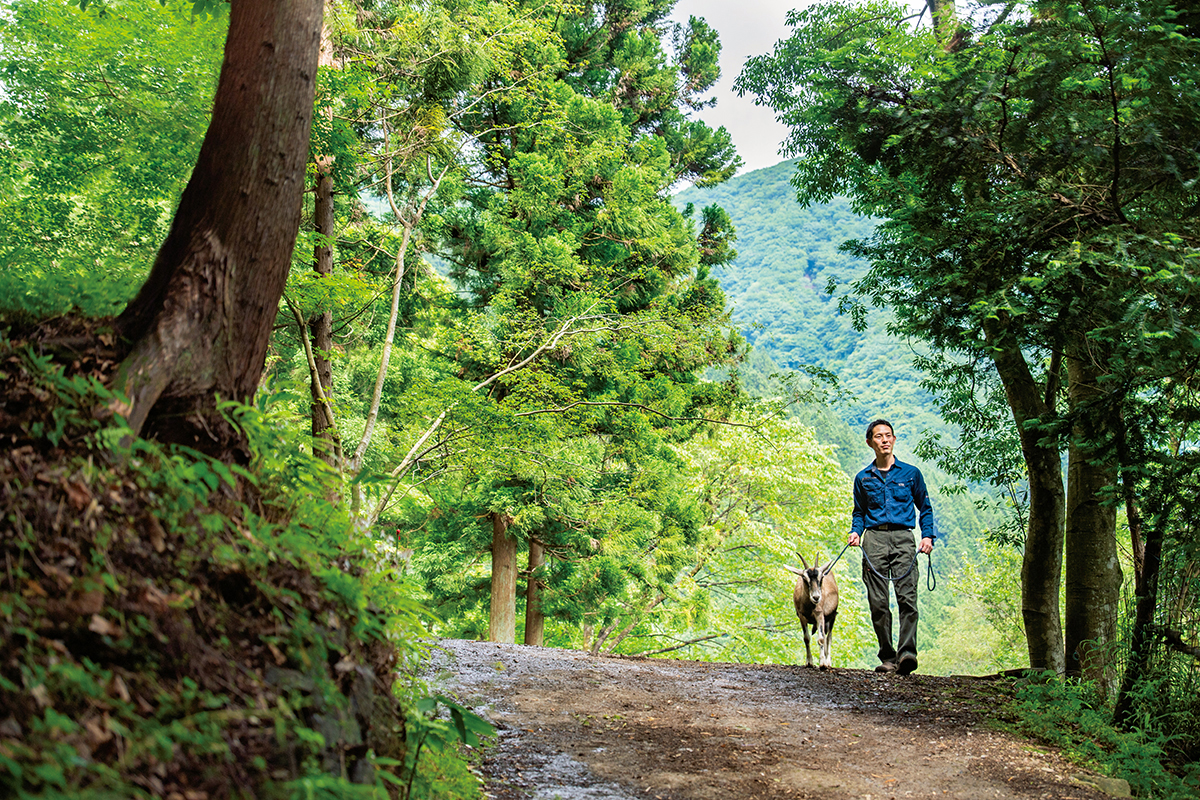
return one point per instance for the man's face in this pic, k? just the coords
(881, 441)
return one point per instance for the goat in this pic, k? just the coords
(816, 599)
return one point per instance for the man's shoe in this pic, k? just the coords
(907, 664)
(886, 666)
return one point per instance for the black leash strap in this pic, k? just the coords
(829, 566)
(930, 577)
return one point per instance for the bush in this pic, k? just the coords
(1073, 717)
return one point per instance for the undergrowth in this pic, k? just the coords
(1073, 717)
(176, 627)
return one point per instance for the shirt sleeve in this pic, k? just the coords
(924, 508)
(857, 520)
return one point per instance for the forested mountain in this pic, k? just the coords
(779, 292)
(778, 289)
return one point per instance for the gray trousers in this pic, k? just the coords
(894, 551)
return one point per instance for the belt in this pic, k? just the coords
(889, 526)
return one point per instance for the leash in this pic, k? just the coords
(930, 576)
(829, 566)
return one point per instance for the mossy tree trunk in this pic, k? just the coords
(320, 327)
(1041, 568)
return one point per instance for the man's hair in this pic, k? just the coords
(877, 423)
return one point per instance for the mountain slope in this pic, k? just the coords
(788, 255)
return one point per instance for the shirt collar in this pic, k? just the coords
(896, 463)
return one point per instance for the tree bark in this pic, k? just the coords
(535, 621)
(944, 16)
(1041, 567)
(200, 326)
(321, 326)
(502, 620)
(1147, 545)
(1092, 571)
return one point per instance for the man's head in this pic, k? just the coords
(880, 438)
(876, 424)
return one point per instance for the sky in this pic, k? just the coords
(747, 28)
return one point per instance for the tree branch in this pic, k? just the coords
(317, 388)
(1174, 640)
(648, 409)
(687, 643)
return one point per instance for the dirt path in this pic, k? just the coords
(578, 727)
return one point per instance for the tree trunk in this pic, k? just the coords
(1041, 568)
(944, 17)
(1147, 546)
(1092, 570)
(321, 326)
(535, 621)
(502, 621)
(200, 326)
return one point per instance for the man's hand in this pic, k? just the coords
(853, 539)
(926, 545)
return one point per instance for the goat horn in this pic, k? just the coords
(802, 561)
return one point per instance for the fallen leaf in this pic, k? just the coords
(102, 626)
(40, 695)
(89, 602)
(98, 731)
(155, 598)
(77, 493)
(155, 533)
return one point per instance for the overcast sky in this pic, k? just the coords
(747, 28)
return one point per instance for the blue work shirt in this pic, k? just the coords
(894, 500)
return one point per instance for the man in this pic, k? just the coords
(888, 495)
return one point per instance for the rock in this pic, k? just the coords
(1113, 787)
